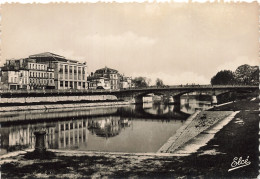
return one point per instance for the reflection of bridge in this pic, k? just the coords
(140, 113)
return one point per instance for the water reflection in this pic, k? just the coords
(140, 128)
(191, 104)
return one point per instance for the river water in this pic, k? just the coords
(133, 128)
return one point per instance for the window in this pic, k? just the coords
(61, 83)
(61, 69)
(66, 83)
(66, 69)
(79, 83)
(50, 75)
(83, 84)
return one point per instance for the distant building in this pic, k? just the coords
(111, 74)
(44, 71)
(106, 77)
(27, 74)
(125, 82)
(68, 74)
(98, 83)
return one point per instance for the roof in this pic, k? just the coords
(106, 70)
(55, 57)
(46, 54)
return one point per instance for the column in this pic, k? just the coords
(68, 76)
(82, 130)
(73, 78)
(63, 75)
(78, 132)
(69, 135)
(59, 131)
(77, 77)
(73, 133)
(64, 136)
(81, 74)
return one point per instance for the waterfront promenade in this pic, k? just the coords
(239, 138)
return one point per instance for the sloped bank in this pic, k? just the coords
(197, 123)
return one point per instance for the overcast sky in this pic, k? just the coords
(179, 43)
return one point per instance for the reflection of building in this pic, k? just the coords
(23, 136)
(108, 127)
(61, 135)
(72, 133)
(191, 104)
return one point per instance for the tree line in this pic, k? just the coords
(243, 75)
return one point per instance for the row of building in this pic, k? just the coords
(51, 71)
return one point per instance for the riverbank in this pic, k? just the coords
(238, 138)
(75, 105)
(195, 125)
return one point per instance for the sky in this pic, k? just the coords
(177, 42)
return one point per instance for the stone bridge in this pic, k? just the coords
(136, 95)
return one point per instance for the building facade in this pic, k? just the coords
(44, 71)
(98, 83)
(68, 74)
(125, 82)
(27, 74)
(112, 75)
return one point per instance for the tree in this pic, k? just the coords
(224, 77)
(159, 82)
(141, 82)
(247, 75)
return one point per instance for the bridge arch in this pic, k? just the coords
(135, 95)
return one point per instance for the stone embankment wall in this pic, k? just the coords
(57, 99)
(57, 102)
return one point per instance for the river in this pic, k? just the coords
(133, 128)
